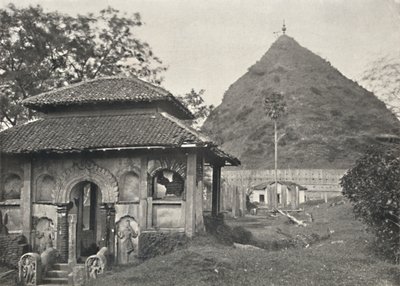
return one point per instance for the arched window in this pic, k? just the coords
(12, 187)
(129, 187)
(45, 188)
(167, 184)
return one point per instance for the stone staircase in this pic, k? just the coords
(57, 276)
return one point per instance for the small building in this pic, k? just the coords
(108, 161)
(287, 195)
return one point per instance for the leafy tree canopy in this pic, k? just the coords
(373, 186)
(196, 104)
(42, 50)
(275, 105)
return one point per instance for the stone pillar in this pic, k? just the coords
(62, 232)
(296, 198)
(191, 186)
(242, 201)
(284, 194)
(216, 189)
(111, 229)
(26, 201)
(107, 234)
(149, 218)
(143, 193)
(234, 200)
(102, 226)
(72, 220)
(199, 194)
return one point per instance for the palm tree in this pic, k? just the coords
(275, 107)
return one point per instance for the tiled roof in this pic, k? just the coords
(104, 90)
(263, 186)
(95, 132)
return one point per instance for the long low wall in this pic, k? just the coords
(313, 179)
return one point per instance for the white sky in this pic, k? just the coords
(209, 44)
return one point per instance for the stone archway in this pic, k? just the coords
(88, 225)
(88, 171)
(84, 171)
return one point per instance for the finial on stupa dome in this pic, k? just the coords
(284, 27)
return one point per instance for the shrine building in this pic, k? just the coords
(107, 161)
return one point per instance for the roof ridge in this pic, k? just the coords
(77, 84)
(202, 137)
(101, 115)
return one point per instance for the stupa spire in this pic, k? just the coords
(284, 27)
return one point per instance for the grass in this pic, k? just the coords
(8, 280)
(346, 258)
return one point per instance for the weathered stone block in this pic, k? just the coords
(78, 275)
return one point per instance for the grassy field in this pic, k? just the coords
(345, 258)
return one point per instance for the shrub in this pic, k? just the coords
(241, 235)
(217, 227)
(373, 187)
(249, 205)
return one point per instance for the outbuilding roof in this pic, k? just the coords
(105, 90)
(263, 186)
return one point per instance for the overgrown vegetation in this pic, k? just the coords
(343, 259)
(373, 186)
(194, 101)
(43, 50)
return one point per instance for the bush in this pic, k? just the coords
(241, 235)
(249, 205)
(217, 227)
(373, 186)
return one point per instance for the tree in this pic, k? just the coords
(275, 107)
(373, 187)
(195, 103)
(41, 50)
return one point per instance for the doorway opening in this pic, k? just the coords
(86, 199)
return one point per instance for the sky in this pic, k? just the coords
(209, 44)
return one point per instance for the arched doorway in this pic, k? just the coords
(85, 199)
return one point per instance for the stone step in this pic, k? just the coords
(61, 266)
(51, 284)
(58, 281)
(57, 274)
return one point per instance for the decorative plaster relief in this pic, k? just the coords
(87, 170)
(44, 234)
(167, 163)
(29, 269)
(127, 239)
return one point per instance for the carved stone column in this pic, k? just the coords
(102, 226)
(72, 220)
(111, 229)
(107, 221)
(62, 231)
